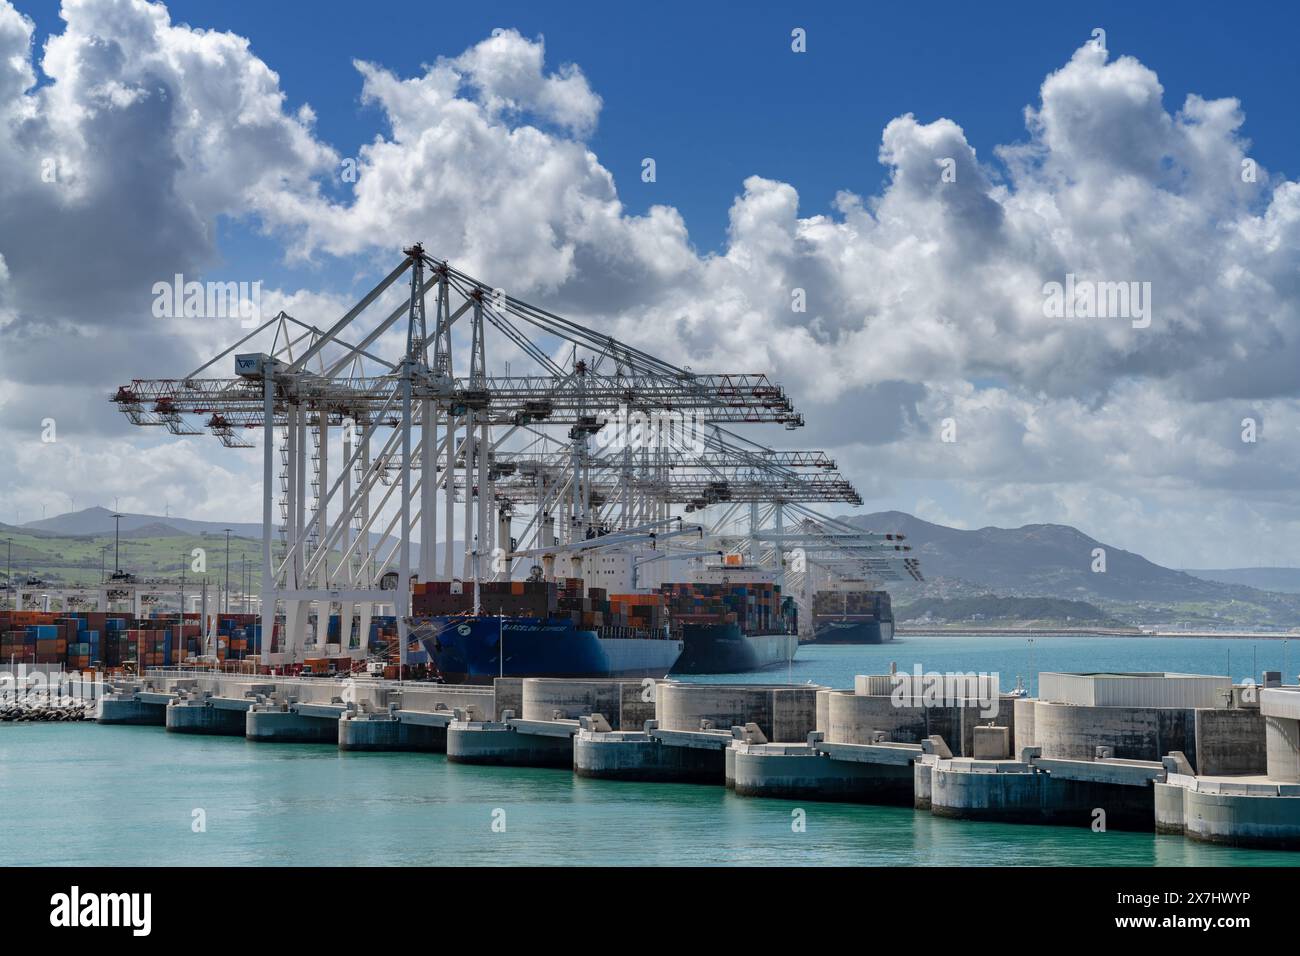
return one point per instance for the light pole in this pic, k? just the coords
(1032, 676)
(117, 539)
(9, 575)
(225, 598)
(181, 632)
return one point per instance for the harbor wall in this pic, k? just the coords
(1245, 820)
(799, 773)
(1282, 748)
(380, 733)
(832, 749)
(626, 704)
(1074, 732)
(782, 713)
(1230, 742)
(638, 756)
(856, 718)
(963, 789)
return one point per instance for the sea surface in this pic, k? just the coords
(82, 794)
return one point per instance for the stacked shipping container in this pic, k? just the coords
(862, 605)
(79, 640)
(754, 606)
(626, 615)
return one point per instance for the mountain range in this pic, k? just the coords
(1032, 561)
(1053, 560)
(96, 521)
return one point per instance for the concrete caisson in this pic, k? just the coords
(1074, 732)
(1243, 819)
(380, 732)
(627, 705)
(922, 781)
(634, 755)
(491, 743)
(824, 709)
(1282, 748)
(1023, 712)
(202, 717)
(1169, 812)
(130, 710)
(782, 712)
(1012, 792)
(856, 718)
(1229, 742)
(281, 724)
(801, 773)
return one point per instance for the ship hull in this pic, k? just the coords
(724, 649)
(466, 651)
(853, 632)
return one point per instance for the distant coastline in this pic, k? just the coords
(936, 630)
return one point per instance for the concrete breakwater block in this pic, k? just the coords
(922, 780)
(851, 718)
(203, 717)
(496, 743)
(626, 704)
(381, 732)
(635, 755)
(1014, 792)
(798, 771)
(1169, 808)
(782, 712)
(281, 724)
(43, 712)
(128, 709)
(1264, 818)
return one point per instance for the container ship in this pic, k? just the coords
(541, 629)
(730, 617)
(852, 616)
(736, 622)
(730, 628)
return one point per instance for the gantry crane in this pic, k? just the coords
(422, 428)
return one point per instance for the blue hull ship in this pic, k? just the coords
(725, 649)
(474, 650)
(853, 632)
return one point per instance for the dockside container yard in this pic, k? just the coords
(90, 641)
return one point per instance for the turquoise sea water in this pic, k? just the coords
(86, 794)
(1012, 656)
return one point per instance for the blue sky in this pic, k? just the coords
(925, 301)
(713, 94)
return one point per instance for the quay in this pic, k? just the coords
(1168, 753)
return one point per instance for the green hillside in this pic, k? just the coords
(77, 559)
(992, 609)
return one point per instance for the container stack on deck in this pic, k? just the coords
(625, 615)
(508, 598)
(644, 612)
(754, 606)
(866, 605)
